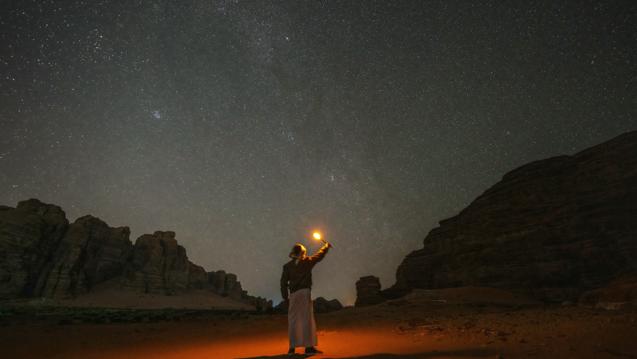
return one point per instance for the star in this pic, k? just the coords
(380, 119)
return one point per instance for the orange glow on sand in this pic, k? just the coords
(272, 345)
(429, 330)
(317, 236)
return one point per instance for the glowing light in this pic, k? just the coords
(317, 236)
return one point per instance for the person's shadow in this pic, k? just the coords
(463, 353)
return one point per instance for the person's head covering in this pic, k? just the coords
(298, 251)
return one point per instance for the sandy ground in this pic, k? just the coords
(116, 298)
(424, 325)
(110, 294)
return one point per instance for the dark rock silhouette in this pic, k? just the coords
(552, 228)
(368, 291)
(89, 253)
(29, 237)
(281, 308)
(218, 281)
(160, 265)
(41, 255)
(233, 286)
(618, 294)
(322, 305)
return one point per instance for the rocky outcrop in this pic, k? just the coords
(233, 286)
(226, 284)
(89, 253)
(217, 281)
(552, 228)
(260, 304)
(197, 276)
(281, 308)
(322, 305)
(29, 236)
(368, 291)
(160, 265)
(42, 255)
(619, 294)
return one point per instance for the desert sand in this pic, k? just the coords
(458, 323)
(118, 298)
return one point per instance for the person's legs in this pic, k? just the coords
(301, 324)
(309, 325)
(291, 325)
(311, 329)
(293, 322)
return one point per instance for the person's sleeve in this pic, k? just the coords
(284, 283)
(318, 256)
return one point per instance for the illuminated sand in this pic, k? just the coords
(408, 328)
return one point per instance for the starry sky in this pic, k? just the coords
(244, 125)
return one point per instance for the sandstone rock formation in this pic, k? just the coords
(160, 265)
(226, 284)
(368, 291)
(233, 286)
(217, 280)
(41, 255)
(89, 253)
(552, 228)
(322, 305)
(260, 304)
(29, 235)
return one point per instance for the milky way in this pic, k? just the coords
(242, 126)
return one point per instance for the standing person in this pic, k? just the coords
(297, 280)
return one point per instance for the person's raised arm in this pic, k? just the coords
(284, 283)
(318, 256)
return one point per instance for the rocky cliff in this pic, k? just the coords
(552, 228)
(89, 253)
(29, 237)
(42, 255)
(160, 265)
(368, 291)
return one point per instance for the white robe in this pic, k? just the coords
(301, 324)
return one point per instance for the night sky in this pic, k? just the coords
(244, 125)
